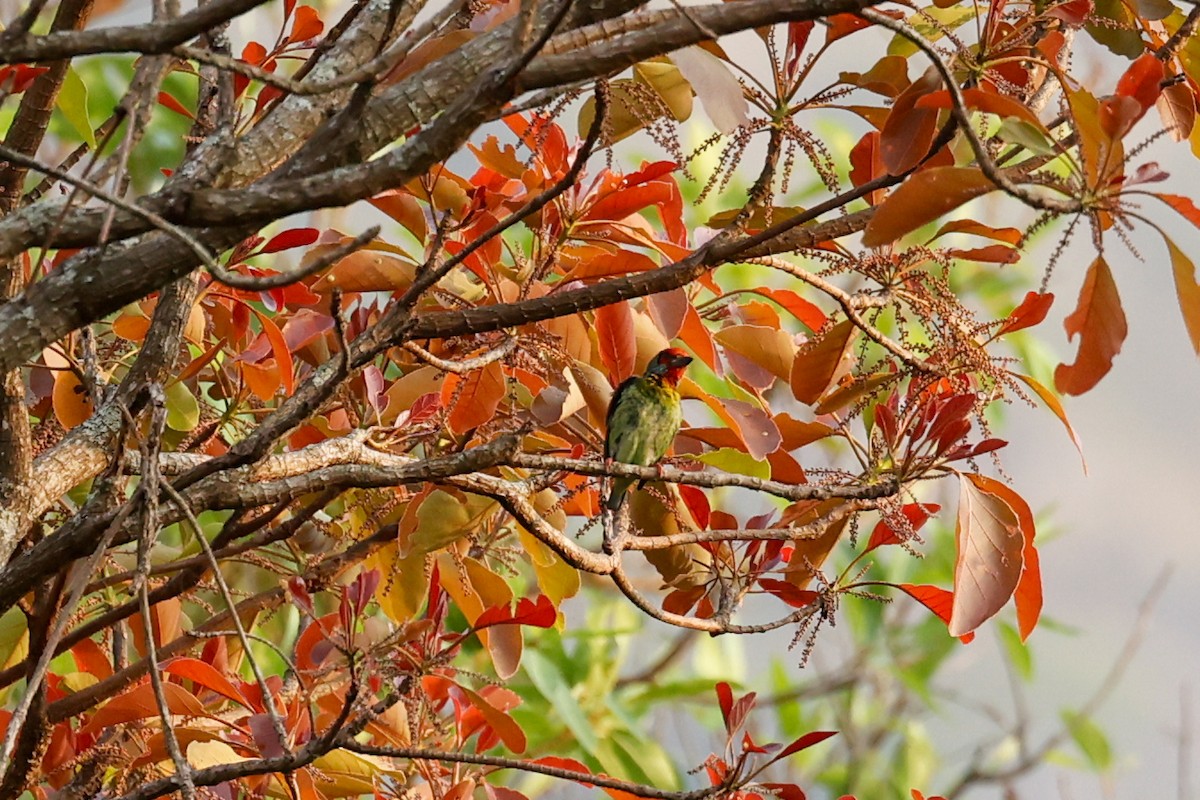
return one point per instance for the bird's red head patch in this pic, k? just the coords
(668, 365)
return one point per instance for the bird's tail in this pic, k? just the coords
(616, 495)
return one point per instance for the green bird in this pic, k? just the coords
(643, 418)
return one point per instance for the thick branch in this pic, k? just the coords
(605, 53)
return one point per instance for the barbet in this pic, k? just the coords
(644, 417)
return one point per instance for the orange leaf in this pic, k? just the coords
(810, 552)
(307, 24)
(988, 565)
(478, 398)
(204, 675)
(263, 381)
(970, 226)
(72, 403)
(618, 345)
(139, 703)
(1028, 594)
(817, 367)
(923, 198)
(695, 335)
(405, 209)
(1188, 292)
(1142, 81)
(1055, 405)
(807, 312)
(1183, 205)
(769, 348)
(504, 725)
(365, 270)
(1100, 323)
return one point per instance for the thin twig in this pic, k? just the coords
(467, 364)
(267, 697)
(183, 770)
(708, 478)
(959, 109)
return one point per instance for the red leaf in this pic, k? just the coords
(539, 613)
(936, 599)
(786, 791)
(840, 25)
(909, 130)
(923, 198)
(803, 743)
(558, 762)
(16, 78)
(988, 564)
(618, 345)
(1072, 12)
(1100, 323)
(866, 164)
(173, 104)
(697, 504)
(917, 515)
(789, 593)
(797, 38)
(296, 237)
(725, 700)
(1030, 312)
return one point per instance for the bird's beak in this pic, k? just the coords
(679, 362)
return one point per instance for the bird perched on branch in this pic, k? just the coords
(643, 418)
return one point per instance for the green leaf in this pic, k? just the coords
(1090, 739)
(73, 103)
(1018, 131)
(183, 412)
(1017, 653)
(731, 460)
(550, 682)
(443, 519)
(14, 637)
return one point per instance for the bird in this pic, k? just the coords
(643, 418)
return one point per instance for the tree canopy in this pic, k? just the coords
(308, 336)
